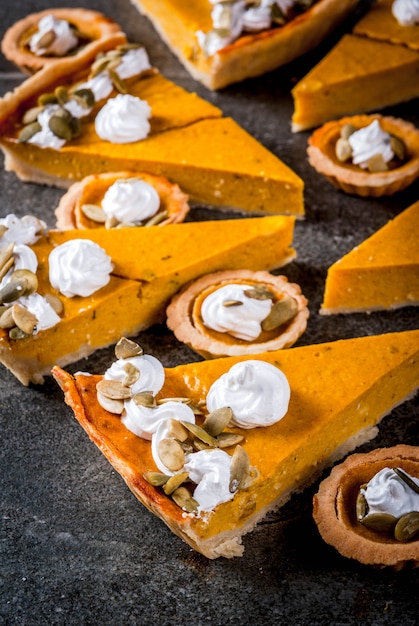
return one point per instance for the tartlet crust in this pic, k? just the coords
(90, 190)
(94, 25)
(335, 515)
(183, 316)
(352, 179)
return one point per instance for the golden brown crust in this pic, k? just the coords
(91, 190)
(335, 513)
(252, 54)
(351, 178)
(95, 27)
(183, 317)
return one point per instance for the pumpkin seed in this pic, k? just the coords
(125, 47)
(171, 454)
(24, 319)
(226, 439)
(113, 389)
(46, 40)
(127, 349)
(377, 164)
(361, 506)
(31, 115)
(407, 528)
(117, 82)
(6, 266)
(5, 255)
(61, 127)
(199, 445)
(239, 469)
(277, 15)
(61, 93)
(347, 130)
(200, 433)
(111, 222)
(54, 302)
(113, 406)
(229, 303)
(145, 398)
(176, 430)
(22, 283)
(132, 374)
(17, 333)
(85, 97)
(406, 478)
(28, 132)
(156, 219)
(217, 420)
(3, 229)
(156, 479)
(175, 482)
(184, 500)
(46, 98)
(281, 313)
(259, 292)
(6, 318)
(399, 147)
(379, 522)
(343, 149)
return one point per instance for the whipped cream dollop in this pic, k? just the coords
(210, 469)
(406, 12)
(25, 230)
(123, 119)
(144, 421)
(239, 320)
(131, 200)
(151, 370)
(257, 392)
(79, 267)
(368, 142)
(386, 492)
(54, 37)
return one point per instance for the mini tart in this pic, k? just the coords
(95, 28)
(184, 317)
(335, 509)
(91, 190)
(351, 178)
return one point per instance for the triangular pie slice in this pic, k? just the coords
(253, 53)
(339, 393)
(381, 273)
(210, 157)
(150, 266)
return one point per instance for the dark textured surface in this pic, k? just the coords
(76, 546)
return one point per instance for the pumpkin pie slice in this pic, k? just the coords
(339, 393)
(149, 266)
(209, 156)
(381, 273)
(253, 52)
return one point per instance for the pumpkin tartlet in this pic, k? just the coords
(73, 208)
(91, 30)
(211, 158)
(343, 174)
(374, 66)
(336, 515)
(149, 266)
(381, 273)
(283, 325)
(339, 393)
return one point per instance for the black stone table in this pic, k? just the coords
(76, 546)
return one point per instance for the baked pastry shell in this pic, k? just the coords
(91, 189)
(94, 25)
(352, 179)
(334, 509)
(183, 316)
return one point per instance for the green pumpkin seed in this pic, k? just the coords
(117, 82)
(46, 40)
(347, 130)
(171, 454)
(145, 398)
(6, 318)
(31, 115)
(361, 507)
(217, 420)
(113, 389)
(60, 127)
(46, 98)
(229, 303)
(156, 479)
(343, 150)
(379, 522)
(277, 15)
(377, 164)
(28, 132)
(281, 313)
(226, 440)
(6, 258)
(127, 349)
(17, 333)
(177, 431)
(399, 147)
(61, 93)
(407, 528)
(200, 433)
(184, 500)
(22, 283)
(239, 469)
(406, 478)
(259, 292)
(132, 374)
(175, 482)
(156, 219)
(85, 97)
(24, 319)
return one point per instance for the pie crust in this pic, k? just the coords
(96, 27)
(351, 178)
(90, 190)
(184, 319)
(335, 512)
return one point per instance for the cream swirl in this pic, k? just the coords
(123, 119)
(133, 62)
(25, 230)
(151, 371)
(131, 200)
(175, 411)
(257, 392)
(63, 38)
(239, 320)
(144, 421)
(368, 142)
(210, 469)
(43, 311)
(406, 12)
(79, 267)
(386, 492)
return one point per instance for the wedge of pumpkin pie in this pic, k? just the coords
(374, 66)
(221, 43)
(77, 119)
(211, 447)
(65, 294)
(381, 273)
